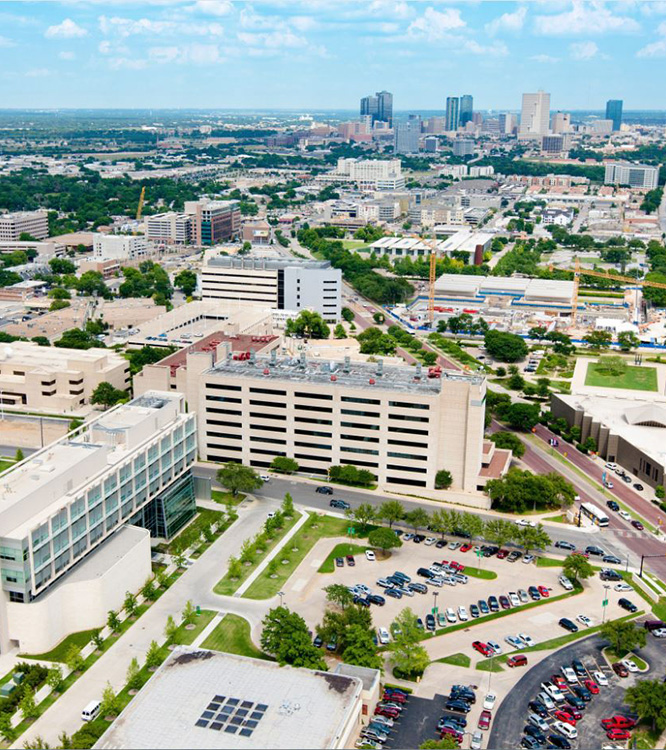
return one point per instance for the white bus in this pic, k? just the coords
(596, 515)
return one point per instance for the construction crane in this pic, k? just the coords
(577, 271)
(140, 206)
(432, 275)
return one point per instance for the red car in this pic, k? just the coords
(558, 680)
(618, 734)
(618, 722)
(566, 717)
(450, 732)
(394, 698)
(482, 648)
(502, 554)
(637, 525)
(484, 719)
(466, 547)
(391, 713)
(543, 591)
(573, 712)
(592, 686)
(456, 566)
(620, 670)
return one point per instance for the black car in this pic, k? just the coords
(535, 732)
(610, 575)
(611, 559)
(440, 544)
(317, 642)
(583, 693)
(515, 555)
(324, 490)
(579, 668)
(613, 505)
(626, 604)
(474, 610)
(425, 573)
(395, 593)
(362, 601)
(591, 549)
(483, 606)
(458, 706)
(556, 740)
(430, 622)
(418, 538)
(561, 544)
(376, 599)
(452, 720)
(342, 504)
(493, 604)
(530, 743)
(419, 624)
(638, 486)
(462, 692)
(339, 562)
(420, 588)
(533, 591)
(575, 701)
(569, 625)
(538, 708)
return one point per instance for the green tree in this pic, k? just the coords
(623, 636)
(339, 331)
(54, 678)
(309, 324)
(598, 339)
(384, 539)
(7, 731)
(628, 340)
(153, 656)
(338, 594)
(417, 518)
(170, 630)
(27, 706)
(74, 659)
(499, 531)
(363, 514)
(577, 567)
(285, 635)
(660, 492)
(106, 395)
(360, 648)
(509, 441)
(41, 340)
(379, 318)
(113, 621)
(375, 341)
(186, 281)
(443, 479)
(522, 416)
(287, 506)
(347, 314)
(97, 640)
(234, 568)
(284, 465)
(239, 478)
(110, 705)
(130, 604)
(148, 590)
(189, 613)
(532, 537)
(75, 338)
(470, 524)
(446, 743)
(505, 347)
(391, 511)
(407, 654)
(133, 679)
(65, 740)
(19, 455)
(648, 699)
(537, 332)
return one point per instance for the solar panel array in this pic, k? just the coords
(232, 715)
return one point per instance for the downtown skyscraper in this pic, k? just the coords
(379, 107)
(466, 109)
(614, 112)
(452, 116)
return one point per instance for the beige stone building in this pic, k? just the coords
(36, 378)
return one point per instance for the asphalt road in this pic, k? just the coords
(512, 714)
(418, 723)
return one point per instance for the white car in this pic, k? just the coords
(600, 678)
(529, 559)
(383, 720)
(547, 701)
(584, 620)
(623, 586)
(569, 675)
(659, 632)
(496, 647)
(565, 583)
(477, 741)
(383, 634)
(361, 588)
(270, 514)
(608, 485)
(630, 665)
(524, 522)
(554, 692)
(430, 541)
(624, 515)
(370, 555)
(405, 591)
(489, 701)
(526, 639)
(513, 598)
(612, 466)
(264, 477)
(451, 615)
(513, 641)
(566, 729)
(454, 545)
(462, 614)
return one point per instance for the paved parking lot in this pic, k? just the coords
(417, 723)
(511, 717)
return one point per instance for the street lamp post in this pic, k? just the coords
(604, 603)
(435, 594)
(280, 594)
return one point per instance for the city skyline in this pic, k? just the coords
(321, 54)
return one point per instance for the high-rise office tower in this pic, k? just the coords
(379, 107)
(407, 136)
(466, 109)
(614, 112)
(507, 123)
(561, 122)
(452, 113)
(534, 115)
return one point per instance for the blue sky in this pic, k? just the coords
(309, 54)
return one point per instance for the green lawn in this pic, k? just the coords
(549, 562)
(633, 378)
(227, 498)
(185, 637)
(357, 245)
(340, 550)
(264, 587)
(490, 665)
(59, 652)
(457, 660)
(557, 519)
(487, 575)
(226, 586)
(232, 635)
(5, 464)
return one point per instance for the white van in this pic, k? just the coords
(91, 711)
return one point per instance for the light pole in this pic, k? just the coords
(280, 594)
(435, 594)
(604, 603)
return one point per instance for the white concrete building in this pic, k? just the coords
(634, 175)
(119, 247)
(369, 174)
(534, 115)
(68, 551)
(281, 283)
(56, 380)
(35, 223)
(170, 228)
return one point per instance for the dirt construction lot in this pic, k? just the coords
(304, 593)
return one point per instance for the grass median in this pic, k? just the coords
(227, 585)
(340, 550)
(232, 636)
(457, 660)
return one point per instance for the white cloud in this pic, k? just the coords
(511, 22)
(434, 24)
(68, 29)
(585, 17)
(250, 19)
(497, 49)
(303, 23)
(583, 50)
(125, 27)
(127, 63)
(66, 55)
(396, 8)
(273, 39)
(212, 7)
(544, 59)
(38, 73)
(654, 49)
(5, 42)
(197, 54)
(656, 7)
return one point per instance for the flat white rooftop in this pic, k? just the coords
(205, 699)
(531, 290)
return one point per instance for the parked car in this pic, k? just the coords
(584, 620)
(619, 721)
(620, 670)
(350, 561)
(611, 559)
(600, 678)
(383, 634)
(493, 604)
(630, 665)
(618, 734)
(474, 611)
(370, 555)
(579, 668)
(376, 599)
(482, 648)
(430, 623)
(608, 574)
(484, 719)
(565, 583)
(569, 675)
(451, 615)
(339, 562)
(483, 607)
(504, 602)
(566, 729)
(497, 649)
(533, 591)
(592, 686)
(556, 740)
(462, 614)
(568, 624)
(458, 706)
(517, 660)
(395, 593)
(538, 708)
(514, 555)
(575, 701)
(526, 639)
(489, 701)
(626, 604)
(638, 486)
(545, 593)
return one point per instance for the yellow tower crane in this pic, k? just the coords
(140, 206)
